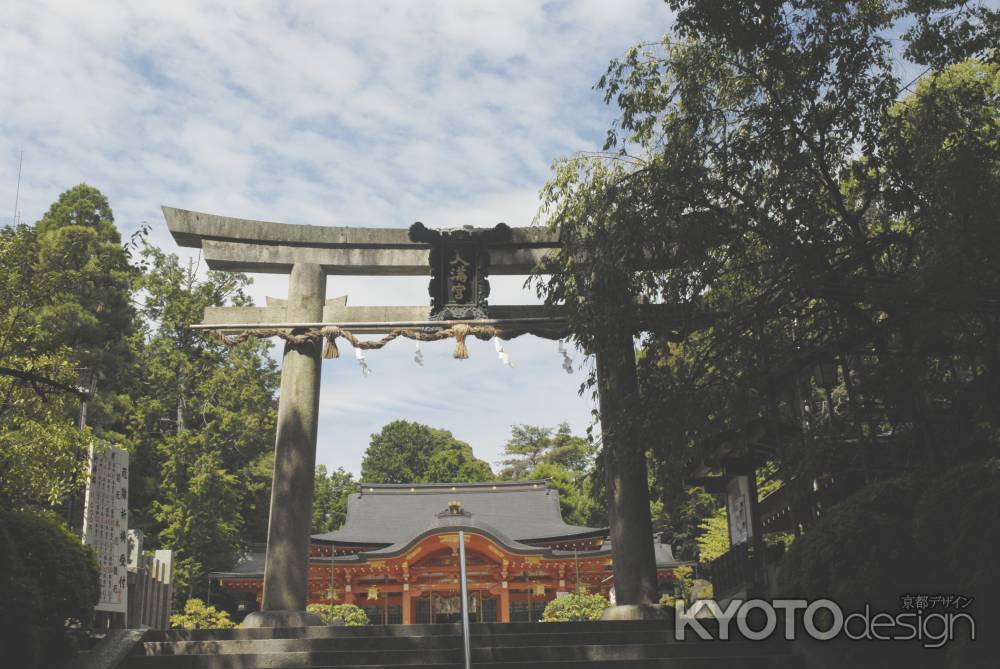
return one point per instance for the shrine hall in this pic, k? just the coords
(396, 555)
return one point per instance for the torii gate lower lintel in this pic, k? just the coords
(310, 253)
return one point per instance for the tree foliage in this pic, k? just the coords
(84, 316)
(714, 540)
(678, 511)
(202, 426)
(532, 445)
(457, 464)
(88, 308)
(66, 324)
(43, 454)
(565, 460)
(408, 452)
(330, 494)
(796, 203)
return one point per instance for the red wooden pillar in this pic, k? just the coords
(407, 605)
(504, 603)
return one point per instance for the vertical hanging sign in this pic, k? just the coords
(459, 266)
(105, 524)
(738, 509)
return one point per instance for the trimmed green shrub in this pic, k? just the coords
(353, 616)
(19, 608)
(198, 615)
(861, 550)
(955, 525)
(929, 533)
(48, 579)
(575, 607)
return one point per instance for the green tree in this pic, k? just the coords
(677, 513)
(25, 292)
(575, 504)
(65, 328)
(570, 451)
(714, 540)
(198, 510)
(457, 464)
(87, 310)
(404, 452)
(806, 215)
(43, 455)
(330, 498)
(532, 445)
(565, 460)
(524, 449)
(197, 418)
(202, 425)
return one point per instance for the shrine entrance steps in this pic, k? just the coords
(589, 645)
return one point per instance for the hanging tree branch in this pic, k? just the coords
(35, 380)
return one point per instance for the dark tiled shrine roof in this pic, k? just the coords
(250, 565)
(390, 515)
(387, 519)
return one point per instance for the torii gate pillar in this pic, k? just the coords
(312, 252)
(627, 485)
(286, 570)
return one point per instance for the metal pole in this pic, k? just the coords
(465, 600)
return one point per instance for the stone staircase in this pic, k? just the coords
(590, 645)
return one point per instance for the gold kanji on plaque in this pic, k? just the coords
(459, 266)
(459, 276)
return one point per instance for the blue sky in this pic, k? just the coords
(369, 113)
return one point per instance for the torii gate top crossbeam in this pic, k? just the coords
(241, 245)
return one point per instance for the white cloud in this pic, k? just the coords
(375, 113)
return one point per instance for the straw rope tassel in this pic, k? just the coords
(460, 331)
(330, 335)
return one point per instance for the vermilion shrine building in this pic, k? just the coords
(396, 555)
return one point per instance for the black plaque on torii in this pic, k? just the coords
(459, 261)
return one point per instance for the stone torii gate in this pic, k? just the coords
(308, 254)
